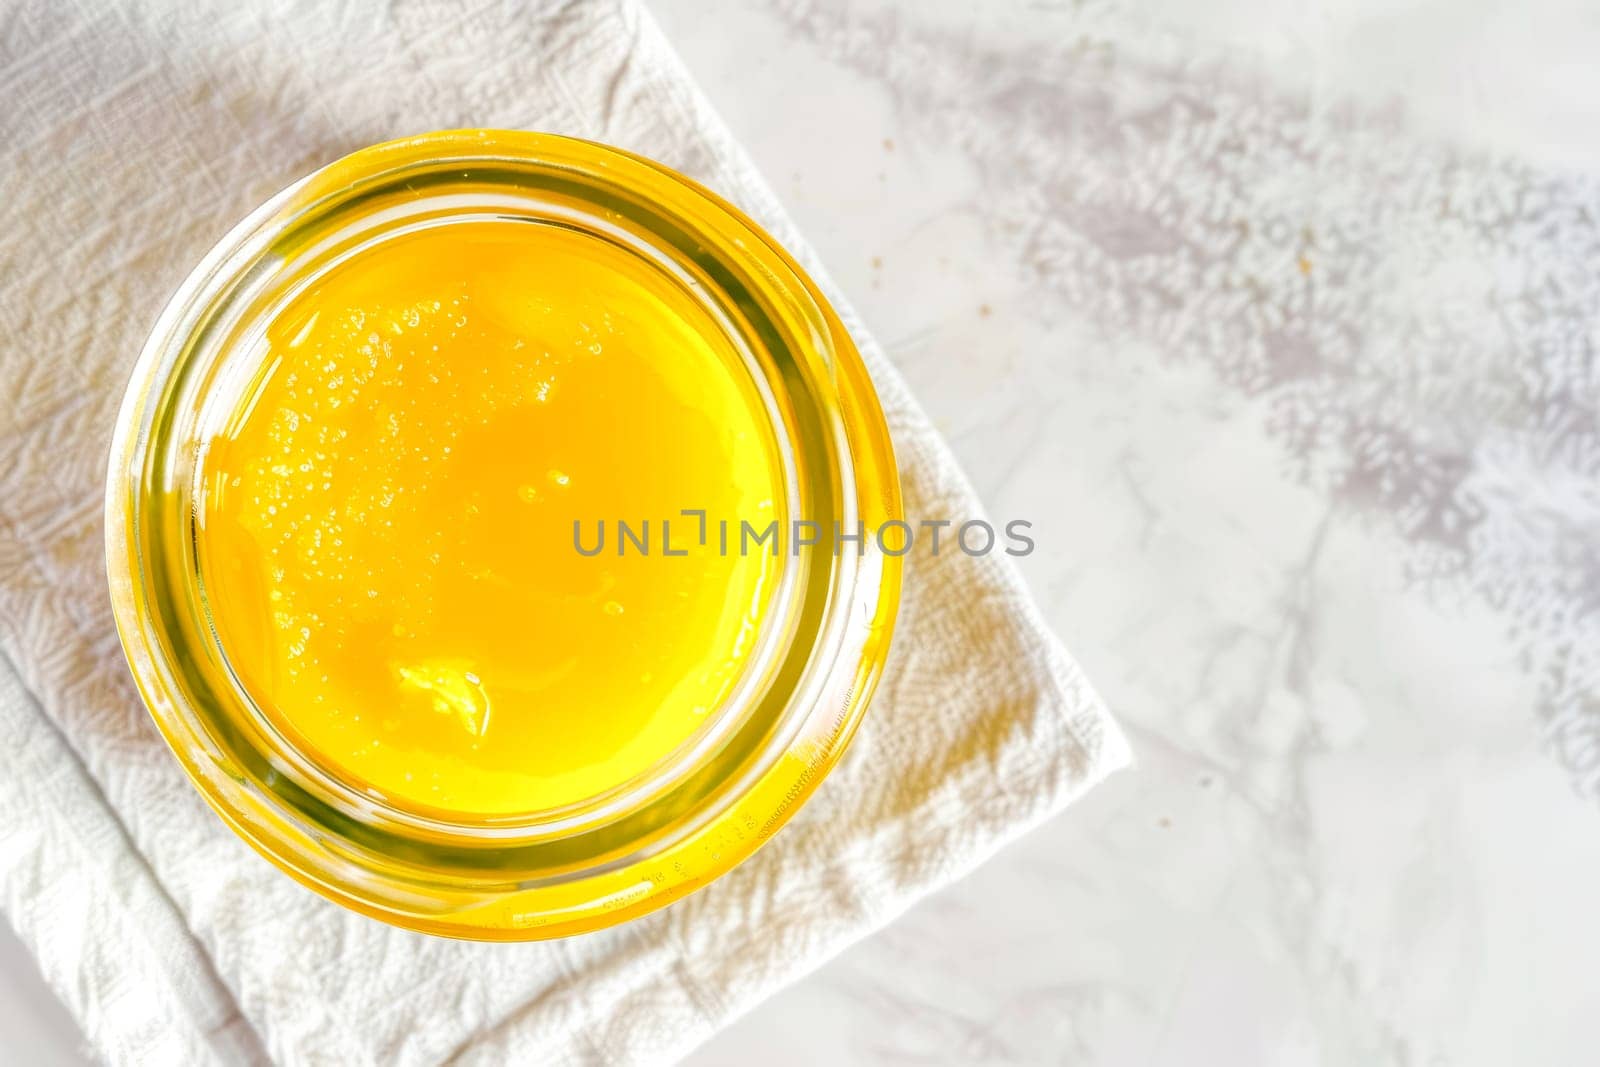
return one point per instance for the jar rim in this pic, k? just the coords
(648, 841)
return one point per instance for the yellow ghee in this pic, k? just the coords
(386, 522)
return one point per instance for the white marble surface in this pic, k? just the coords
(1282, 328)
(35, 1028)
(1317, 504)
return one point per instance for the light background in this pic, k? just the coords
(1361, 830)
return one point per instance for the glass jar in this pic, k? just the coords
(700, 809)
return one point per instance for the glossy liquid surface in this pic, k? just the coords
(386, 536)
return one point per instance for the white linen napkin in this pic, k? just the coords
(133, 134)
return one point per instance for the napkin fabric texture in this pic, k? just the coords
(133, 134)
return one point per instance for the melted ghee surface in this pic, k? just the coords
(386, 528)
